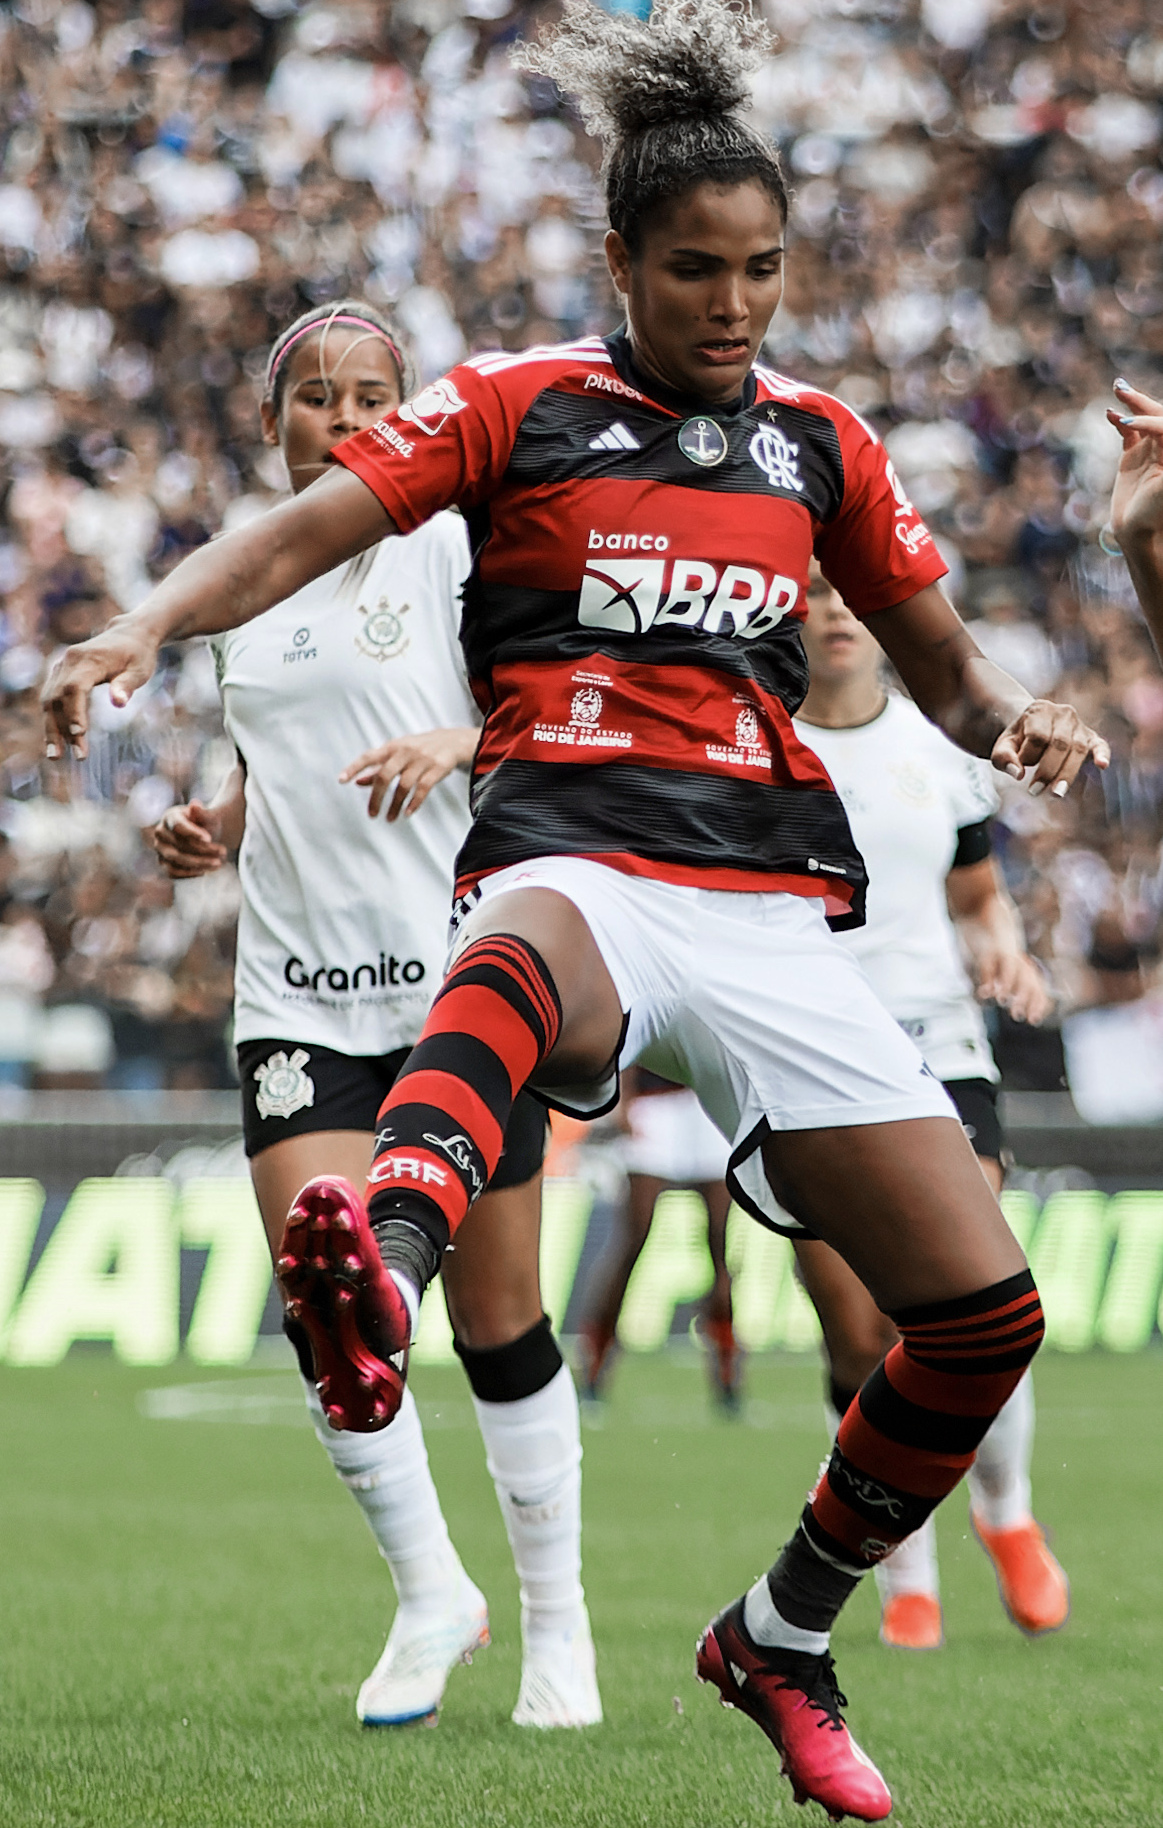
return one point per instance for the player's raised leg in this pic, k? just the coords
(441, 1617)
(527, 984)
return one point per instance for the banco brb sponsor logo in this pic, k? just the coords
(634, 594)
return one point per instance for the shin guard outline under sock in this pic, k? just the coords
(907, 1441)
(533, 1449)
(441, 1128)
(388, 1476)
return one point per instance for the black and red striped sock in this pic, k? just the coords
(441, 1128)
(905, 1443)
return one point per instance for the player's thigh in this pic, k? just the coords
(492, 1281)
(856, 1333)
(279, 1171)
(591, 1014)
(905, 1204)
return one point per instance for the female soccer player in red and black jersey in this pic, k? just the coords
(655, 856)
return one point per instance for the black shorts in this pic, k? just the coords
(976, 1101)
(305, 1088)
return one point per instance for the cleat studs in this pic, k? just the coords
(343, 1221)
(335, 1417)
(286, 1264)
(379, 1409)
(344, 1296)
(351, 1264)
(294, 1309)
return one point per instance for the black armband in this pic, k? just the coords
(974, 845)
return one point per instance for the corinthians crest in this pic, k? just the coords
(382, 636)
(283, 1086)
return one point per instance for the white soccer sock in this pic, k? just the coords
(387, 1475)
(912, 1566)
(411, 1296)
(767, 1625)
(533, 1449)
(999, 1479)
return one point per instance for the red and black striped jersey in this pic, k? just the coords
(631, 622)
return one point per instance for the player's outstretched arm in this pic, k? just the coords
(222, 585)
(1137, 502)
(979, 707)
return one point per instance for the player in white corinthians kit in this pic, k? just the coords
(919, 811)
(341, 944)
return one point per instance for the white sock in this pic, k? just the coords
(999, 1479)
(912, 1566)
(533, 1449)
(411, 1296)
(767, 1624)
(387, 1475)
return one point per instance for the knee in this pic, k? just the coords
(992, 1335)
(855, 1351)
(491, 1316)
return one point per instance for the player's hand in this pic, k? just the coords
(415, 764)
(1014, 982)
(188, 840)
(123, 656)
(1137, 502)
(1053, 740)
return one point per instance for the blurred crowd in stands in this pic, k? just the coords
(977, 251)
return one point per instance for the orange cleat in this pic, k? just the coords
(912, 1621)
(1033, 1585)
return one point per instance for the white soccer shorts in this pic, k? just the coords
(747, 999)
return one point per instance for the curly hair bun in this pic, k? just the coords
(689, 61)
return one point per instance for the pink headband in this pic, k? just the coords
(325, 323)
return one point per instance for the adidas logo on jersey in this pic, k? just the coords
(616, 437)
(632, 595)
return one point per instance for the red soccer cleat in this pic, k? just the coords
(794, 1700)
(1032, 1583)
(335, 1285)
(912, 1621)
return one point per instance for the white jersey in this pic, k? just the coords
(343, 928)
(907, 792)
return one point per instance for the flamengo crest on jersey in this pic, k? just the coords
(631, 623)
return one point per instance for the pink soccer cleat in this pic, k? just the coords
(794, 1700)
(335, 1285)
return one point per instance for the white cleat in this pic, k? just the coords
(423, 1648)
(559, 1683)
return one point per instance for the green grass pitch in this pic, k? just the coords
(187, 1607)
